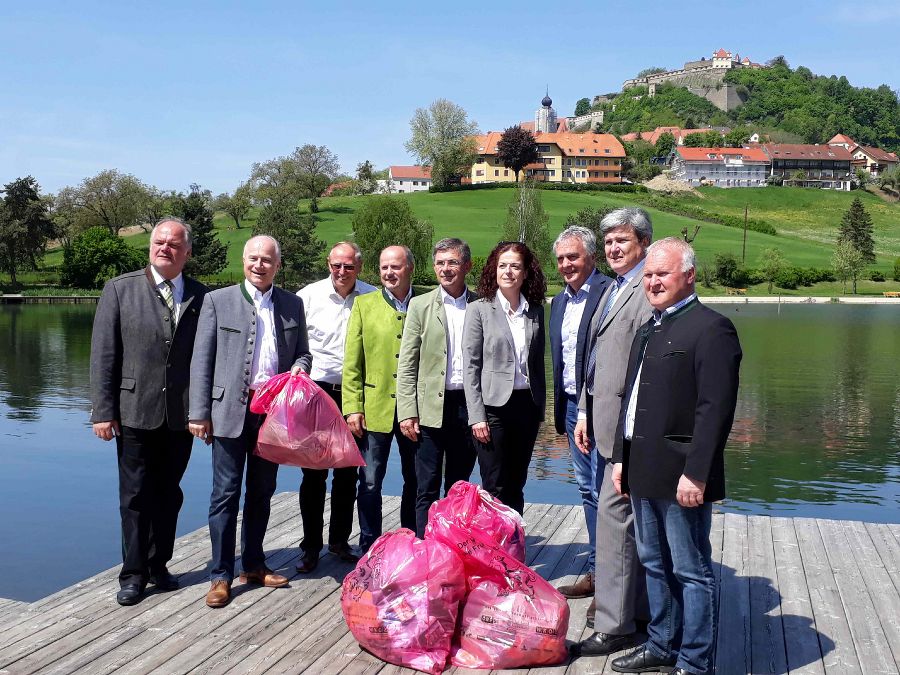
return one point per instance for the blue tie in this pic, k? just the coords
(592, 358)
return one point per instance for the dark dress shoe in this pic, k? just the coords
(343, 552)
(583, 588)
(642, 660)
(164, 581)
(130, 594)
(308, 563)
(600, 644)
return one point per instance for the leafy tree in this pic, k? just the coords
(778, 62)
(236, 205)
(727, 270)
(318, 167)
(862, 177)
(671, 106)
(366, 182)
(706, 139)
(590, 217)
(62, 209)
(651, 71)
(112, 200)
(302, 253)
(155, 206)
(771, 264)
(582, 107)
(848, 263)
(442, 139)
(527, 222)
(304, 174)
(890, 177)
(856, 228)
(388, 221)
(516, 149)
(737, 137)
(208, 254)
(25, 226)
(664, 145)
(97, 255)
(896, 269)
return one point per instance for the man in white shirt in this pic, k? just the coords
(327, 304)
(431, 401)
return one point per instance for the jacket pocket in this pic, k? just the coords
(673, 353)
(127, 384)
(230, 330)
(217, 392)
(367, 384)
(678, 444)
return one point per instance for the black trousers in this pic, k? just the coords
(504, 460)
(312, 498)
(453, 443)
(151, 465)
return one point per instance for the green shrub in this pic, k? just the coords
(788, 278)
(681, 208)
(563, 187)
(754, 276)
(877, 275)
(95, 256)
(897, 269)
(727, 270)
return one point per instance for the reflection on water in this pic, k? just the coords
(816, 433)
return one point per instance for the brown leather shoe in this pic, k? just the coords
(219, 593)
(583, 588)
(264, 577)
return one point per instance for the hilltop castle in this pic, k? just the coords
(705, 78)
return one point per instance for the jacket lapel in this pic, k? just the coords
(279, 325)
(503, 323)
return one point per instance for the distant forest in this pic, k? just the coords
(803, 107)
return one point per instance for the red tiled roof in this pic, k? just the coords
(527, 126)
(806, 151)
(721, 54)
(698, 154)
(879, 155)
(411, 172)
(570, 144)
(841, 138)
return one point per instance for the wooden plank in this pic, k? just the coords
(767, 650)
(838, 652)
(881, 587)
(733, 647)
(801, 639)
(888, 547)
(872, 648)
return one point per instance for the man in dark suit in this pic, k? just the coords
(140, 361)
(571, 312)
(674, 422)
(246, 334)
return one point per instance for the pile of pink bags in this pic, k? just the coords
(303, 425)
(504, 616)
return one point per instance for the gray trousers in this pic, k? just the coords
(620, 584)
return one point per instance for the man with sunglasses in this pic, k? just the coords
(328, 303)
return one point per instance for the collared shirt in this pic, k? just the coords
(572, 316)
(455, 311)
(399, 305)
(516, 320)
(632, 402)
(177, 289)
(327, 314)
(265, 346)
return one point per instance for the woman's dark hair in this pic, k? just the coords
(535, 286)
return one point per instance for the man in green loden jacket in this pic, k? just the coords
(369, 390)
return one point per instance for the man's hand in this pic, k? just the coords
(582, 440)
(296, 370)
(481, 432)
(357, 424)
(689, 492)
(202, 429)
(410, 428)
(617, 479)
(106, 431)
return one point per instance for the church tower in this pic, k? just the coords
(545, 116)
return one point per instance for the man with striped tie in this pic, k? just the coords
(141, 349)
(620, 596)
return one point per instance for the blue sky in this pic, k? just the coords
(182, 92)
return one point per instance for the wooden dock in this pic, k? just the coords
(796, 596)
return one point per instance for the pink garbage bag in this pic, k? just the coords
(401, 601)
(303, 425)
(474, 509)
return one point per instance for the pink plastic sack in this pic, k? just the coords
(474, 509)
(511, 617)
(401, 601)
(303, 425)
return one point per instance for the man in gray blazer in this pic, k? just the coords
(620, 596)
(246, 334)
(140, 361)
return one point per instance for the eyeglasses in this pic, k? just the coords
(452, 264)
(337, 267)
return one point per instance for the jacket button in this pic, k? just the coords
(168, 341)
(396, 356)
(249, 351)
(163, 388)
(400, 336)
(440, 394)
(395, 376)
(399, 318)
(393, 395)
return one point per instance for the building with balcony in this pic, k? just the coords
(815, 166)
(406, 179)
(563, 158)
(722, 167)
(874, 160)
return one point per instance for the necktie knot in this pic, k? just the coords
(619, 281)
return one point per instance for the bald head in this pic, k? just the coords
(395, 265)
(262, 260)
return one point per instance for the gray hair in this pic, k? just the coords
(357, 251)
(688, 257)
(453, 244)
(264, 236)
(578, 232)
(410, 258)
(637, 218)
(179, 221)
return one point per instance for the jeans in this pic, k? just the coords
(228, 458)
(585, 467)
(673, 544)
(375, 452)
(453, 442)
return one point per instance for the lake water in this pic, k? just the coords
(817, 433)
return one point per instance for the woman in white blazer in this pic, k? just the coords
(503, 345)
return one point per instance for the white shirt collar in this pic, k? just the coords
(459, 303)
(585, 287)
(634, 271)
(400, 305)
(504, 304)
(358, 288)
(257, 295)
(158, 278)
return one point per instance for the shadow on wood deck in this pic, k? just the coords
(795, 596)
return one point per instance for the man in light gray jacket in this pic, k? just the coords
(246, 334)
